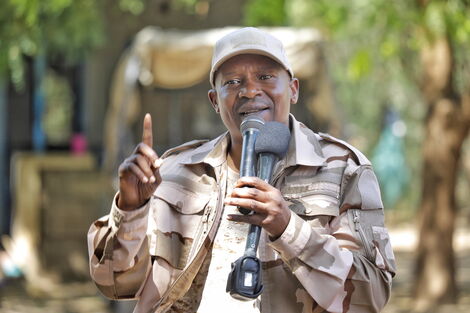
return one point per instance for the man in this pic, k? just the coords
(173, 228)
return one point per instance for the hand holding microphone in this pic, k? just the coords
(271, 210)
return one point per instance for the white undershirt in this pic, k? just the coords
(229, 245)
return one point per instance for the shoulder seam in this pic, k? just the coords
(185, 146)
(359, 157)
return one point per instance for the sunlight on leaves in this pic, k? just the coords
(388, 48)
(434, 18)
(60, 27)
(359, 65)
(257, 14)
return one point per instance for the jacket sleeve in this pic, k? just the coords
(345, 262)
(118, 252)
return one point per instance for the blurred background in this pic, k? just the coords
(77, 77)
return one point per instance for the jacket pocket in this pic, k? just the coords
(386, 260)
(313, 199)
(178, 215)
(182, 200)
(369, 226)
(362, 228)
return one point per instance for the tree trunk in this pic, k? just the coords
(446, 126)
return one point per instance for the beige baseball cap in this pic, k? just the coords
(248, 40)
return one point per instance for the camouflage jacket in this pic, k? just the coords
(334, 256)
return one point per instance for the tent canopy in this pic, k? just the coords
(180, 59)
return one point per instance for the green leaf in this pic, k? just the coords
(16, 66)
(434, 18)
(135, 7)
(359, 65)
(388, 48)
(265, 13)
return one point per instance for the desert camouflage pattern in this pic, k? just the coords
(334, 256)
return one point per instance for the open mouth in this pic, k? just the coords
(252, 111)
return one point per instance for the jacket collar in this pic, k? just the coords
(213, 152)
(304, 148)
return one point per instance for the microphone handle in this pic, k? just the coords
(248, 158)
(266, 162)
(252, 240)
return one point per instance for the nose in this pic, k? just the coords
(249, 89)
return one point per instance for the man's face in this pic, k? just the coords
(250, 84)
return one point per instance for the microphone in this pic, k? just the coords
(250, 130)
(271, 146)
(245, 279)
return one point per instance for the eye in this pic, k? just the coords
(265, 76)
(232, 82)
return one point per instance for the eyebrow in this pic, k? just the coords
(264, 68)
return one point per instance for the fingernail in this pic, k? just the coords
(145, 180)
(152, 179)
(157, 163)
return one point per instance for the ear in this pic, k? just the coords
(294, 87)
(212, 94)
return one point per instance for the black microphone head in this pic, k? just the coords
(273, 138)
(253, 122)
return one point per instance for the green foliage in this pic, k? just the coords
(265, 13)
(135, 7)
(375, 45)
(31, 27)
(360, 64)
(189, 6)
(366, 41)
(395, 27)
(57, 118)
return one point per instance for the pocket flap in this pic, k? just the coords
(314, 205)
(181, 199)
(313, 199)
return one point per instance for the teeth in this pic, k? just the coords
(254, 111)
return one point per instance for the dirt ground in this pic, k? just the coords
(83, 297)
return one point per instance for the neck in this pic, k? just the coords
(234, 156)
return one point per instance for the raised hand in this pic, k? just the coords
(139, 174)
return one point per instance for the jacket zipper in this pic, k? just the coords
(360, 231)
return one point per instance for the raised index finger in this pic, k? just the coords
(147, 136)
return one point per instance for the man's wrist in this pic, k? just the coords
(122, 206)
(274, 237)
(127, 221)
